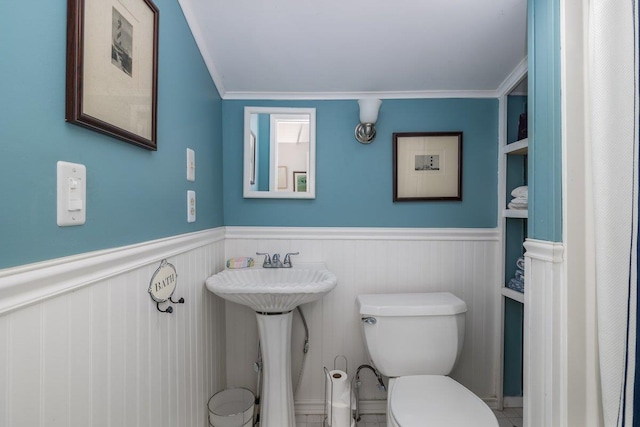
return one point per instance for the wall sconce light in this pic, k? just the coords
(366, 131)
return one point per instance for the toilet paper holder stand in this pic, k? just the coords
(329, 394)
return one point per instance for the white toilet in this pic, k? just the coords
(415, 340)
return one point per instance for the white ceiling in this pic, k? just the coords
(346, 49)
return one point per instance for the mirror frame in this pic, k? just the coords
(248, 155)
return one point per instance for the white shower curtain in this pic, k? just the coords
(613, 103)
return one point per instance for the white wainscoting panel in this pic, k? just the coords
(98, 353)
(372, 260)
(545, 341)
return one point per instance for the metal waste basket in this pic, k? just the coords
(231, 407)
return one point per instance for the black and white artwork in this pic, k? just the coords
(425, 162)
(121, 43)
(112, 73)
(427, 166)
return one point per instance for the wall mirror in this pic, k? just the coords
(279, 153)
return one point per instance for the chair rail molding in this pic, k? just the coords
(363, 233)
(31, 283)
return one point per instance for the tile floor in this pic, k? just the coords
(510, 417)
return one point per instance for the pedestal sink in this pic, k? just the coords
(273, 293)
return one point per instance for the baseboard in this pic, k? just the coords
(512, 402)
(491, 402)
(315, 407)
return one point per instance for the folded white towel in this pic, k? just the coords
(522, 191)
(520, 200)
(522, 206)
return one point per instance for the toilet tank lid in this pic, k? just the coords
(420, 304)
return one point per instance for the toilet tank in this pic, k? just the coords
(413, 334)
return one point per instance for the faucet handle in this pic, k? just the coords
(287, 259)
(267, 259)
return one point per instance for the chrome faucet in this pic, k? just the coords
(267, 259)
(274, 261)
(287, 259)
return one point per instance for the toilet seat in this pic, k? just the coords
(438, 401)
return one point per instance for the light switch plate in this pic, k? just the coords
(71, 194)
(191, 165)
(191, 206)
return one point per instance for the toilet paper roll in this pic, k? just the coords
(339, 399)
(341, 416)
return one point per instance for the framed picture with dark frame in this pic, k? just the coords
(300, 181)
(112, 68)
(427, 166)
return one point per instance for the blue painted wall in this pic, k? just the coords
(354, 181)
(513, 332)
(264, 156)
(133, 195)
(545, 121)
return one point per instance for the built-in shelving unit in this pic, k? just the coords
(513, 224)
(515, 213)
(514, 295)
(520, 148)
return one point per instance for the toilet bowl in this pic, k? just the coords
(435, 400)
(415, 340)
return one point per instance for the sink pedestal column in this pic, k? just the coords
(276, 407)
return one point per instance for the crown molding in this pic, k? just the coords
(514, 78)
(320, 96)
(196, 31)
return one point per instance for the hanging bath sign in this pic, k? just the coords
(163, 284)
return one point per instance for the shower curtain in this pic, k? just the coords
(613, 117)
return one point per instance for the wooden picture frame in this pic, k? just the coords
(427, 166)
(112, 68)
(300, 181)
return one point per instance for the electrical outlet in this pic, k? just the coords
(191, 165)
(191, 206)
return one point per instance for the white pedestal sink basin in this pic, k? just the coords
(273, 293)
(273, 290)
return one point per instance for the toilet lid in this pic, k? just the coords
(438, 401)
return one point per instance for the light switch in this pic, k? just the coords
(72, 193)
(191, 206)
(191, 165)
